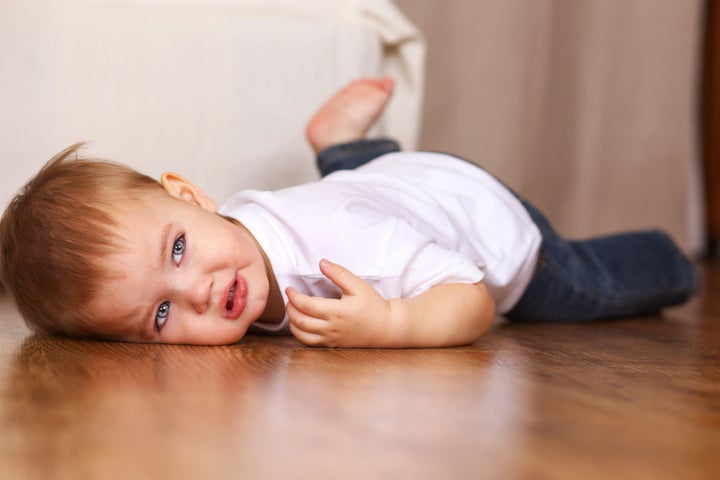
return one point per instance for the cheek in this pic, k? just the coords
(249, 254)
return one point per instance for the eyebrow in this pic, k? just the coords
(147, 327)
(164, 242)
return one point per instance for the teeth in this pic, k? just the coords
(231, 297)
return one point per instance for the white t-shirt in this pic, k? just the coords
(403, 222)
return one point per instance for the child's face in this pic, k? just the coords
(187, 274)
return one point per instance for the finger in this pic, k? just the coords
(309, 339)
(304, 322)
(347, 281)
(314, 306)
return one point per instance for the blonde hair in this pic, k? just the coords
(54, 234)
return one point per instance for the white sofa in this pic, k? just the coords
(217, 90)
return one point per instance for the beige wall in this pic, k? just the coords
(586, 107)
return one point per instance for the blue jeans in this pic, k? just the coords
(627, 274)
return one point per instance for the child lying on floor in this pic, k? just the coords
(431, 247)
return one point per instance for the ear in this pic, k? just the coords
(185, 190)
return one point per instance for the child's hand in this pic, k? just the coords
(361, 318)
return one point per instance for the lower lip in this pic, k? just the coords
(240, 299)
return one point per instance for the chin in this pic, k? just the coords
(221, 341)
(221, 338)
(235, 337)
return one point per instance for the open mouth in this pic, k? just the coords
(231, 297)
(235, 298)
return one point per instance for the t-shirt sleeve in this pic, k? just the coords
(421, 263)
(434, 265)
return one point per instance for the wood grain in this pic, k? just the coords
(627, 399)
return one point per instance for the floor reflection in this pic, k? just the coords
(175, 409)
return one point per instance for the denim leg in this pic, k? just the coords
(621, 275)
(347, 156)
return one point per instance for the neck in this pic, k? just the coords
(275, 307)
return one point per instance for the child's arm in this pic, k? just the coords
(445, 315)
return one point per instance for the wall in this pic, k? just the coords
(588, 108)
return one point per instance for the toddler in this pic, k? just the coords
(428, 247)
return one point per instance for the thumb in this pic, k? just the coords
(340, 276)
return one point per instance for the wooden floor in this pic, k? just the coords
(628, 399)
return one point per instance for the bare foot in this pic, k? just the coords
(350, 113)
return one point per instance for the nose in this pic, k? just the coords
(197, 292)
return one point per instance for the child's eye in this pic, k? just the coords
(178, 249)
(162, 315)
